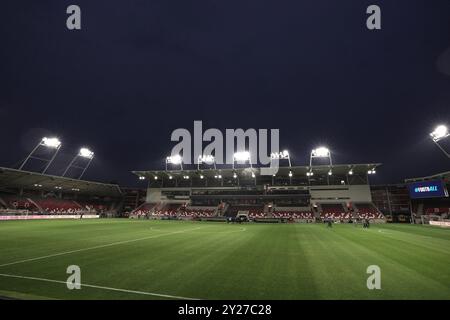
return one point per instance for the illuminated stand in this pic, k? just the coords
(49, 143)
(84, 153)
(321, 152)
(174, 160)
(440, 133)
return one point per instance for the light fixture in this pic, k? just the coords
(86, 153)
(51, 142)
(440, 132)
(242, 156)
(208, 159)
(175, 159)
(320, 152)
(290, 174)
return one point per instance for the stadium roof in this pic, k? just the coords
(296, 171)
(443, 175)
(13, 178)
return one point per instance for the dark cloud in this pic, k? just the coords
(139, 69)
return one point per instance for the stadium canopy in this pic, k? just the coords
(439, 176)
(297, 171)
(13, 178)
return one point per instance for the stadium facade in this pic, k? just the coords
(342, 194)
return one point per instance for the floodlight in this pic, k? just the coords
(330, 172)
(440, 132)
(51, 142)
(208, 159)
(309, 174)
(350, 172)
(170, 177)
(290, 173)
(321, 152)
(234, 175)
(175, 159)
(86, 153)
(156, 178)
(141, 178)
(253, 174)
(219, 176)
(371, 171)
(242, 156)
(201, 176)
(83, 153)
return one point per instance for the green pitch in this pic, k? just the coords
(141, 259)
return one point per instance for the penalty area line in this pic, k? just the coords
(160, 295)
(95, 247)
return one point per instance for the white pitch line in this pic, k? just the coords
(95, 247)
(101, 287)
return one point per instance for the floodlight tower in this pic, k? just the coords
(84, 153)
(206, 159)
(242, 157)
(440, 133)
(175, 160)
(320, 152)
(276, 156)
(49, 143)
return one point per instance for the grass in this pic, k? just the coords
(222, 261)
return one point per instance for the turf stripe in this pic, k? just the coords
(95, 247)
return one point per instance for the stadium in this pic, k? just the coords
(239, 157)
(204, 232)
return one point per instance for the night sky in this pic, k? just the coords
(137, 70)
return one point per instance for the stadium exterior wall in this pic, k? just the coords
(319, 194)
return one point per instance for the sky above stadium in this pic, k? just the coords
(137, 70)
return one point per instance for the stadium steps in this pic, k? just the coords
(420, 209)
(35, 204)
(3, 204)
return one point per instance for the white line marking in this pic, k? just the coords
(215, 232)
(95, 247)
(101, 287)
(382, 231)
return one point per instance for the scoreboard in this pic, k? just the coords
(428, 189)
